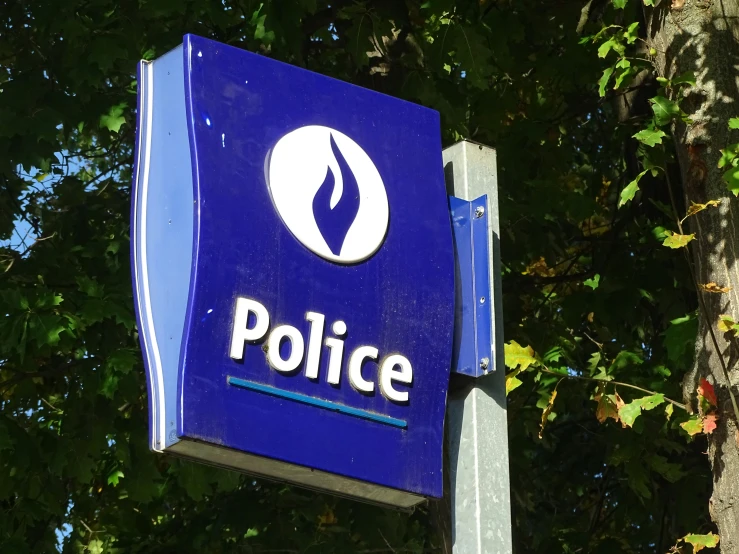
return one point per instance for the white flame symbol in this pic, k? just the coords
(298, 167)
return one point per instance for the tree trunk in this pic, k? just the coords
(702, 36)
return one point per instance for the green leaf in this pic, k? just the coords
(668, 411)
(638, 478)
(512, 382)
(122, 360)
(260, 32)
(726, 324)
(670, 471)
(650, 137)
(625, 76)
(675, 240)
(732, 180)
(603, 83)
(95, 546)
(554, 354)
(664, 110)
(687, 78)
(592, 283)
(653, 160)
(699, 542)
(680, 337)
(728, 155)
(619, 4)
(471, 53)
(519, 356)
(629, 412)
(46, 328)
(114, 477)
(649, 3)
(693, 426)
(631, 34)
(624, 360)
(734, 123)
(651, 402)
(611, 44)
(114, 118)
(602, 374)
(593, 361)
(630, 190)
(195, 479)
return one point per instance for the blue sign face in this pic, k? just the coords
(319, 320)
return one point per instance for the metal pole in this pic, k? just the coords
(477, 430)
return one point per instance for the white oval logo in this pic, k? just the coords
(329, 194)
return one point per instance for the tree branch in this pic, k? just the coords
(545, 369)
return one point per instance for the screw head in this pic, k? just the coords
(482, 300)
(484, 364)
(479, 212)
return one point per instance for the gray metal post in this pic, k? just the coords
(476, 414)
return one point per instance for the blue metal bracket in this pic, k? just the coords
(473, 341)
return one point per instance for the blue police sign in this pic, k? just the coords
(294, 274)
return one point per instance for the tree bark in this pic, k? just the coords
(703, 36)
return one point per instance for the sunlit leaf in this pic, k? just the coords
(632, 32)
(629, 412)
(611, 44)
(512, 382)
(696, 208)
(728, 155)
(592, 282)
(693, 426)
(114, 119)
(517, 356)
(650, 137)
(675, 240)
(709, 424)
(727, 324)
(95, 546)
(699, 542)
(114, 477)
(652, 401)
(630, 190)
(714, 288)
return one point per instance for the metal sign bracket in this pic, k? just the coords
(472, 354)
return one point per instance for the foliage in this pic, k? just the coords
(698, 542)
(580, 124)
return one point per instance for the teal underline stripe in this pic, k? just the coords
(325, 404)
